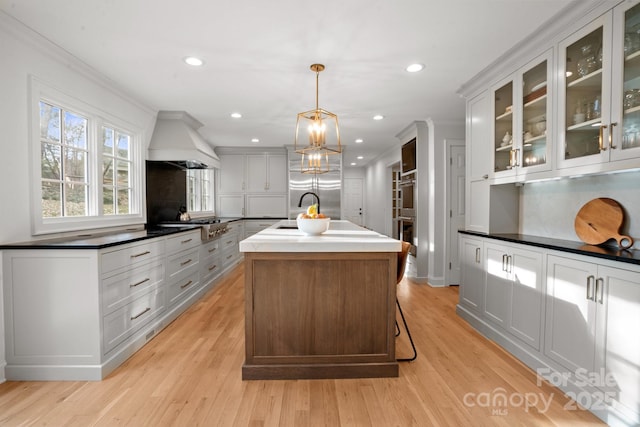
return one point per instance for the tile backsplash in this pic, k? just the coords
(549, 208)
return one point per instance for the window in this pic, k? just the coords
(116, 167)
(199, 190)
(88, 165)
(64, 151)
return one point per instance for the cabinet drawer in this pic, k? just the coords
(229, 256)
(183, 285)
(183, 241)
(228, 241)
(124, 322)
(124, 287)
(125, 257)
(182, 261)
(209, 249)
(210, 269)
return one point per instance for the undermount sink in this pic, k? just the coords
(287, 227)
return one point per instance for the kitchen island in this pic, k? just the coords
(319, 306)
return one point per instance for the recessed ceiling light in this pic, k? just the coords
(353, 163)
(378, 117)
(359, 141)
(193, 61)
(360, 157)
(414, 68)
(255, 140)
(236, 115)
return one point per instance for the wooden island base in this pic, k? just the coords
(320, 315)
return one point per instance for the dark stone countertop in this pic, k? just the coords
(612, 253)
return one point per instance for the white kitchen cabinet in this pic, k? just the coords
(571, 312)
(478, 163)
(253, 226)
(521, 104)
(232, 173)
(267, 173)
(600, 80)
(253, 185)
(472, 281)
(183, 270)
(210, 261)
(593, 312)
(514, 290)
(266, 205)
(619, 325)
(77, 314)
(231, 205)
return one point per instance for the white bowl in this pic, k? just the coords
(313, 227)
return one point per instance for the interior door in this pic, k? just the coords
(456, 209)
(353, 200)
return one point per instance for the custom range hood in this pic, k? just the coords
(175, 140)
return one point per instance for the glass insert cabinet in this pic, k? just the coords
(600, 99)
(520, 128)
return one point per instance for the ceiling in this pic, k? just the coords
(257, 56)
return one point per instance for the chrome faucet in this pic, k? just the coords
(313, 194)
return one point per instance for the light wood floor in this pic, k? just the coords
(189, 375)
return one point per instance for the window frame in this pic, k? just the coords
(97, 119)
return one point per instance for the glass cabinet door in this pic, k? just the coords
(534, 115)
(503, 128)
(583, 96)
(630, 137)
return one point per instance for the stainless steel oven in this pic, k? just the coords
(407, 197)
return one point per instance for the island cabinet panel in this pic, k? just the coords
(320, 315)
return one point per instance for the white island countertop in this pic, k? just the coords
(342, 236)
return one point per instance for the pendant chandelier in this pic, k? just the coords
(320, 128)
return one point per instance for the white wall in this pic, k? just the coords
(25, 54)
(549, 208)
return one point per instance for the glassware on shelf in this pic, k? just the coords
(587, 63)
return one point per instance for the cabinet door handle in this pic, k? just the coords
(599, 290)
(505, 260)
(600, 141)
(140, 254)
(590, 280)
(186, 284)
(185, 241)
(133, 285)
(141, 313)
(477, 255)
(613, 147)
(185, 262)
(213, 267)
(212, 250)
(509, 264)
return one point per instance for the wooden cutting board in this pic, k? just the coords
(600, 220)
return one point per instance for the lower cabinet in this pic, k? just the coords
(513, 293)
(593, 319)
(579, 317)
(473, 277)
(107, 303)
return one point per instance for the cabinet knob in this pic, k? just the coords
(485, 176)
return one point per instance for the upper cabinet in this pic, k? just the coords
(599, 102)
(521, 105)
(252, 184)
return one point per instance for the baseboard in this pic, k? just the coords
(3, 365)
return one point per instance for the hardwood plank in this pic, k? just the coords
(190, 375)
